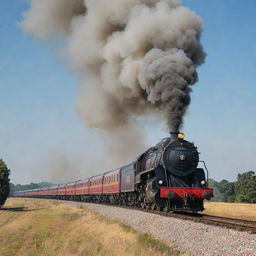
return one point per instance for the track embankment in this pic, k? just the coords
(194, 237)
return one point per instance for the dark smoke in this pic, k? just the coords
(134, 57)
(166, 77)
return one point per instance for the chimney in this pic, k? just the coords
(174, 135)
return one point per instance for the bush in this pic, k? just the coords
(4, 182)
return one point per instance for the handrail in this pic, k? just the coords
(207, 172)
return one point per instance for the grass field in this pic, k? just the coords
(32, 227)
(235, 210)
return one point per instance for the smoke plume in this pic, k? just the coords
(134, 57)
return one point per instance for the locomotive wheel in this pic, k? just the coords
(165, 209)
(160, 209)
(153, 206)
(146, 204)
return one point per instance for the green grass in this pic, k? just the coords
(45, 228)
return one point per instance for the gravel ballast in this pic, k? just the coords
(194, 238)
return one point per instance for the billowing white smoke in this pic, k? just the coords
(134, 56)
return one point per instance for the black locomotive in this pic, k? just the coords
(169, 177)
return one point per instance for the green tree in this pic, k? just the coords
(224, 191)
(245, 187)
(228, 190)
(4, 182)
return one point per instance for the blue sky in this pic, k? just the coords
(37, 116)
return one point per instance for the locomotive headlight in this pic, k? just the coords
(203, 182)
(160, 182)
(181, 135)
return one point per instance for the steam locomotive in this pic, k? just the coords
(165, 177)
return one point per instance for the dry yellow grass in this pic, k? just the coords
(234, 210)
(47, 228)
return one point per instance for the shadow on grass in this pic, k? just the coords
(21, 209)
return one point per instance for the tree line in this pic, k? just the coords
(243, 190)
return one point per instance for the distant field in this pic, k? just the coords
(235, 210)
(32, 227)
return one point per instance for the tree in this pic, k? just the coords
(245, 187)
(4, 182)
(224, 191)
(228, 189)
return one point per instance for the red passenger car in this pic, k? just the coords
(111, 182)
(95, 185)
(41, 192)
(82, 187)
(70, 188)
(61, 191)
(52, 191)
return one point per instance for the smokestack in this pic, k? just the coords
(174, 135)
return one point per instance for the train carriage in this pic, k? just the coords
(36, 192)
(82, 187)
(40, 192)
(95, 185)
(111, 182)
(52, 191)
(61, 191)
(70, 188)
(128, 178)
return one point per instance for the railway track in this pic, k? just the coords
(230, 223)
(220, 221)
